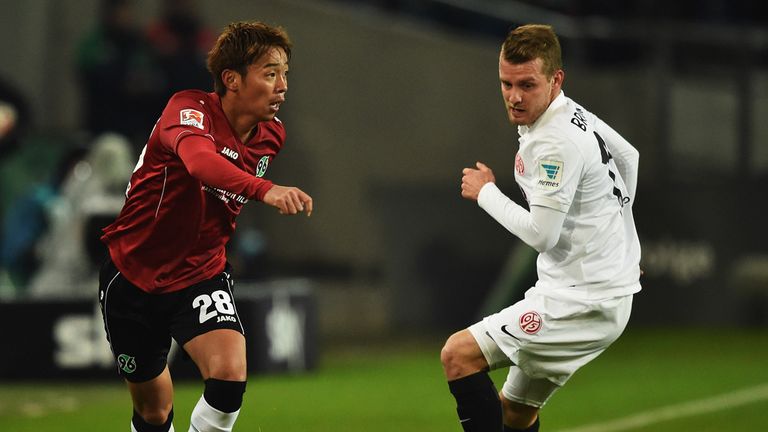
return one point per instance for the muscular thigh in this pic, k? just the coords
(219, 354)
(206, 324)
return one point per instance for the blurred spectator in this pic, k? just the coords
(123, 88)
(92, 192)
(14, 117)
(26, 221)
(14, 123)
(180, 41)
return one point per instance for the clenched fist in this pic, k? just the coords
(474, 179)
(288, 200)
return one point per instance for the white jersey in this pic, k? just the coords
(566, 162)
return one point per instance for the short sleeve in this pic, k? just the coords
(558, 167)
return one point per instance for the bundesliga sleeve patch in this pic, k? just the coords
(550, 174)
(192, 117)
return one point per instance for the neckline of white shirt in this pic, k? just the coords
(554, 105)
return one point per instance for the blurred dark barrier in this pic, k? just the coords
(443, 258)
(65, 339)
(703, 245)
(705, 255)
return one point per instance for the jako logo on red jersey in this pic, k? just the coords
(226, 151)
(192, 117)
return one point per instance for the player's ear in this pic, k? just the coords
(557, 79)
(231, 80)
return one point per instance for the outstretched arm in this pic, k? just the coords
(199, 156)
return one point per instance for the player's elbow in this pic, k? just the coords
(634, 157)
(628, 156)
(194, 171)
(543, 243)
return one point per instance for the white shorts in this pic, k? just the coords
(546, 338)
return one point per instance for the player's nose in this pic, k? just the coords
(514, 97)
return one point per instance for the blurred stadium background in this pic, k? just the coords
(388, 101)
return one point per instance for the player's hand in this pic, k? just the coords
(288, 200)
(474, 179)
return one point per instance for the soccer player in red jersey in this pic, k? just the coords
(167, 274)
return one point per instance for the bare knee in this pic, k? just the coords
(219, 354)
(517, 415)
(227, 368)
(461, 356)
(449, 359)
(153, 413)
(153, 399)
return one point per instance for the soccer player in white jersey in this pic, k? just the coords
(579, 179)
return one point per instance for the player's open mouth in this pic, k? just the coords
(275, 105)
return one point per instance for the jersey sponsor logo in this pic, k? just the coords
(126, 363)
(225, 196)
(261, 167)
(550, 174)
(192, 117)
(530, 322)
(226, 318)
(519, 165)
(226, 151)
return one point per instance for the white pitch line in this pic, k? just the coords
(687, 409)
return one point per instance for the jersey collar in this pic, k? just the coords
(558, 102)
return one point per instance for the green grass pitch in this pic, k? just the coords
(399, 387)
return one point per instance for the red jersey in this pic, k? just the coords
(173, 228)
